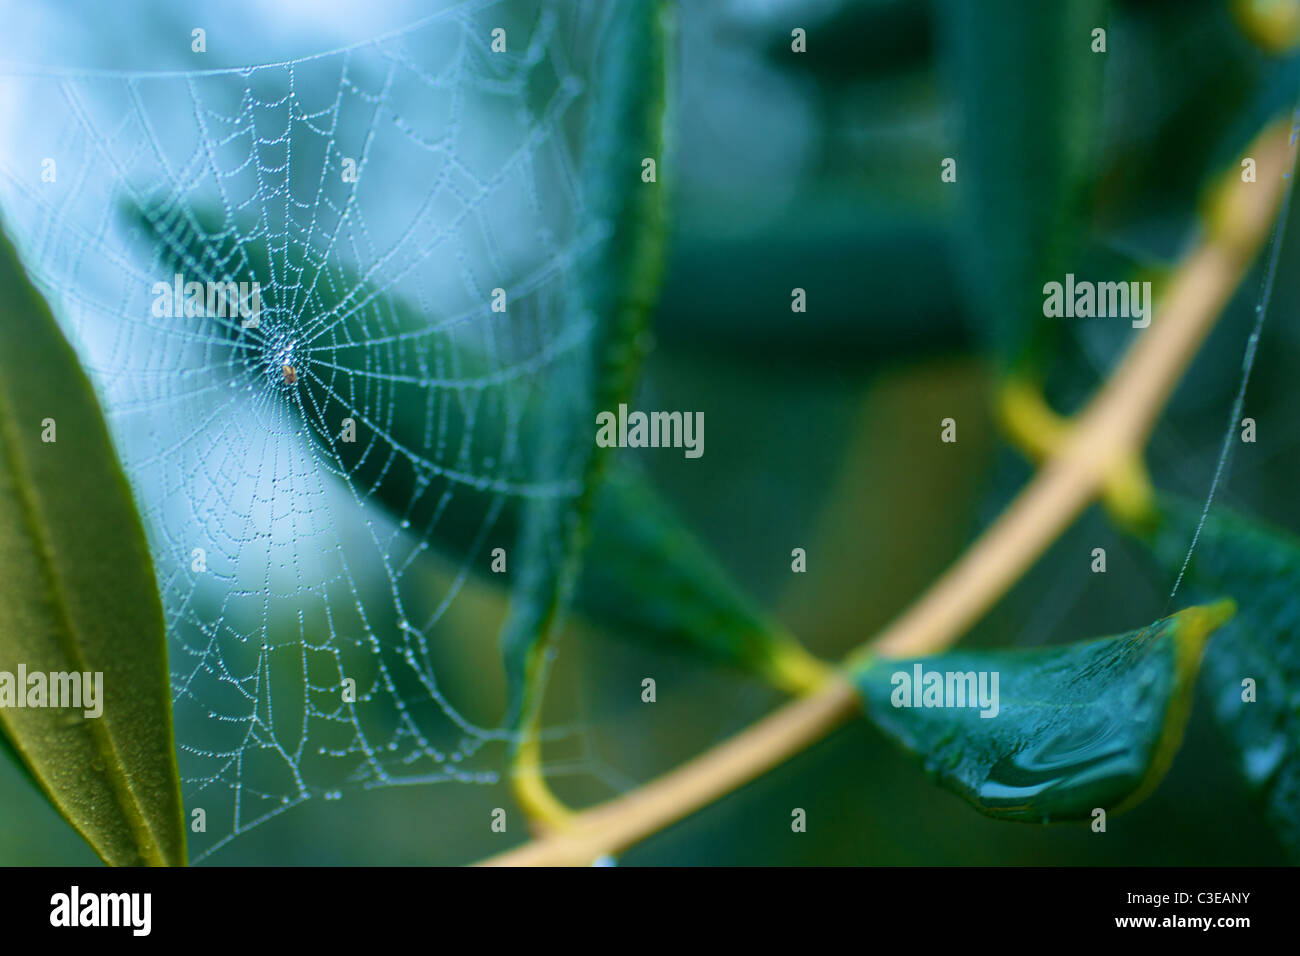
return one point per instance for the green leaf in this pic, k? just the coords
(1027, 87)
(617, 285)
(1076, 727)
(80, 596)
(1260, 567)
(648, 579)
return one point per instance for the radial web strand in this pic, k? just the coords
(384, 196)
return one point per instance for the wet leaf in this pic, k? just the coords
(1260, 567)
(1070, 728)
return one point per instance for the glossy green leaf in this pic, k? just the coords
(80, 597)
(1024, 151)
(1260, 567)
(1075, 727)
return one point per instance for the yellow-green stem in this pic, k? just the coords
(1113, 427)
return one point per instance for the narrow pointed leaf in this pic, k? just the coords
(1028, 90)
(80, 597)
(617, 284)
(1260, 567)
(1075, 727)
(649, 579)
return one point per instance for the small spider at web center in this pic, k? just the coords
(290, 375)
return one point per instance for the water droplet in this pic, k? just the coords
(1092, 756)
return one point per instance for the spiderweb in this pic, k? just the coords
(379, 194)
(1247, 365)
(1098, 347)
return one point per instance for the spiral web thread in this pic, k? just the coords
(281, 573)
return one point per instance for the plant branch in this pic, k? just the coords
(1113, 428)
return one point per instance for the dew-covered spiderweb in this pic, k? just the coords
(412, 209)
